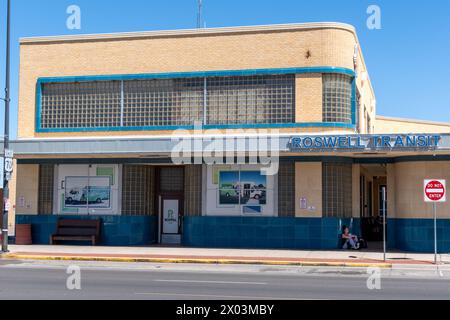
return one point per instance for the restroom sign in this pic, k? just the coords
(435, 190)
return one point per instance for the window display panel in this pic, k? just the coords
(254, 188)
(240, 190)
(88, 192)
(229, 189)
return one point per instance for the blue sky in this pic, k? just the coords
(408, 59)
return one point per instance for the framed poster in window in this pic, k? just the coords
(229, 188)
(254, 188)
(88, 192)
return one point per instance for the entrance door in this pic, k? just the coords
(170, 197)
(171, 221)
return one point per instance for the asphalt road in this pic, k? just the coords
(100, 281)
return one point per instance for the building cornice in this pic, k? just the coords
(189, 32)
(413, 121)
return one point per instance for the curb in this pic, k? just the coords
(200, 261)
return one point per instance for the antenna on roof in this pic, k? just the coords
(200, 15)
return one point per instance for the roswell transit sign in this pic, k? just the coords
(364, 142)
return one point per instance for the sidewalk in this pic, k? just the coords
(221, 256)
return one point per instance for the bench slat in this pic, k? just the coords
(78, 223)
(77, 230)
(72, 238)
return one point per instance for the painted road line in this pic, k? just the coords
(212, 296)
(194, 260)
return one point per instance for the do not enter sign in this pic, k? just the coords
(435, 191)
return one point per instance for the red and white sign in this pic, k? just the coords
(435, 190)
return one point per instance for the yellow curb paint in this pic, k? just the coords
(200, 261)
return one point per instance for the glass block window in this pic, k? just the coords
(193, 190)
(286, 190)
(251, 100)
(337, 190)
(171, 179)
(138, 190)
(81, 105)
(169, 102)
(358, 111)
(337, 98)
(46, 183)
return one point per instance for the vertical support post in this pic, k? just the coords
(88, 191)
(122, 103)
(384, 224)
(200, 14)
(205, 101)
(435, 234)
(160, 221)
(6, 175)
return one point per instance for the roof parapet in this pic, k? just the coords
(190, 32)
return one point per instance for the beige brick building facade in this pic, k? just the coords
(306, 84)
(246, 48)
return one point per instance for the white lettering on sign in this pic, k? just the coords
(9, 165)
(7, 205)
(9, 153)
(435, 190)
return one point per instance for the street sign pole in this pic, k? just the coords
(384, 225)
(435, 192)
(7, 162)
(435, 234)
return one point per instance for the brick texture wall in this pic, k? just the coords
(330, 46)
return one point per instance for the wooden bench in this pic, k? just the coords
(77, 230)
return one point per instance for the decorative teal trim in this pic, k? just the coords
(354, 102)
(38, 106)
(207, 127)
(338, 159)
(201, 74)
(284, 126)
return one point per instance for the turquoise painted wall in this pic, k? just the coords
(417, 235)
(265, 233)
(116, 230)
(412, 235)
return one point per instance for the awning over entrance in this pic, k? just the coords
(303, 145)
